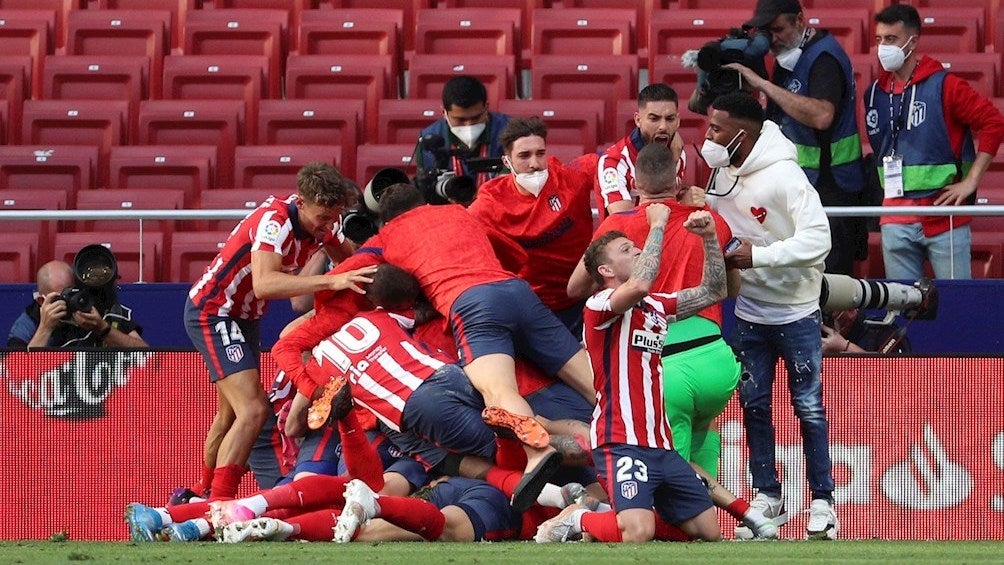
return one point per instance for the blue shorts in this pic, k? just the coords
(647, 478)
(446, 411)
(507, 317)
(320, 452)
(558, 401)
(486, 506)
(394, 460)
(265, 457)
(228, 345)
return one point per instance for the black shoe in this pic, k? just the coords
(526, 492)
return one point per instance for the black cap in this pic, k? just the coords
(768, 10)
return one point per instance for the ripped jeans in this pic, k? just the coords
(799, 344)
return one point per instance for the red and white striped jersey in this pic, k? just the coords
(383, 362)
(615, 171)
(626, 354)
(225, 289)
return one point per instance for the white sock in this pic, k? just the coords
(577, 520)
(165, 516)
(203, 525)
(551, 496)
(256, 504)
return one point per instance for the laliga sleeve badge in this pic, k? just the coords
(269, 233)
(892, 173)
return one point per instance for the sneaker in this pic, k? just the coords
(224, 512)
(761, 526)
(928, 307)
(770, 507)
(321, 410)
(258, 529)
(523, 428)
(144, 522)
(528, 488)
(360, 507)
(823, 523)
(186, 531)
(183, 495)
(561, 527)
(574, 493)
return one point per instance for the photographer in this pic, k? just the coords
(812, 97)
(70, 312)
(467, 130)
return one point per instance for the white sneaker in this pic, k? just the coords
(761, 526)
(360, 507)
(823, 523)
(561, 527)
(771, 509)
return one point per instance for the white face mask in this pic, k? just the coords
(532, 182)
(468, 134)
(788, 58)
(892, 57)
(716, 155)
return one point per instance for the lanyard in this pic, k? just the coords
(896, 117)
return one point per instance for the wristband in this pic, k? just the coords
(847, 344)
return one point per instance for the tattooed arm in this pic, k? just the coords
(712, 289)
(646, 266)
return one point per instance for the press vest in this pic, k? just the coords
(441, 128)
(845, 146)
(928, 161)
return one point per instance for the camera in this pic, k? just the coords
(77, 300)
(738, 46)
(440, 184)
(360, 222)
(456, 188)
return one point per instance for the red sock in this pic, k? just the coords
(309, 492)
(602, 526)
(503, 479)
(413, 514)
(200, 487)
(509, 454)
(226, 480)
(665, 531)
(737, 508)
(360, 456)
(315, 526)
(183, 512)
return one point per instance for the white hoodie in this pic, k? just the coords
(775, 207)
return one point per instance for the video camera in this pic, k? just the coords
(738, 46)
(96, 269)
(440, 184)
(362, 221)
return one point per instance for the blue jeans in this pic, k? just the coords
(904, 247)
(799, 344)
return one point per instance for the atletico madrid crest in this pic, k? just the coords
(554, 202)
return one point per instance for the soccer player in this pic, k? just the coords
(259, 262)
(625, 328)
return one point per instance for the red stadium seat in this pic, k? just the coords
(352, 77)
(275, 166)
(369, 31)
(429, 73)
(524, 28)
(127, 199)
(186, 168)
(864, 73)
(196, 122)
(314, 122)
(28, 32)
(409, 8)
(19, 257)
(852, 27)
(98, 77)
(15, 88)
(191, 253)
(69, 168)
(401, 121)
(216, 77)
(241, 32)
(669, 69)
(137, 263)
(603, 77)
(99, 123)
(245, 199)
(371, 158)
(59, 9)
(584, 31)
(624, 118)
(952, 29)
(574, 122)
(144, 33)
(566, 152)
(987, 255)
(448, 31)
(43, 232)
(981, 70)
(675, 31)
(178, 8)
